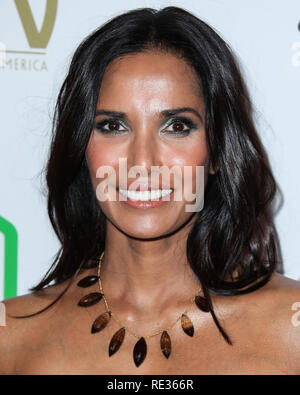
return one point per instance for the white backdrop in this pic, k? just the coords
(265, 36)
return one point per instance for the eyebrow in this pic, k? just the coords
(111, 113)
(164, 113)
(174, 111)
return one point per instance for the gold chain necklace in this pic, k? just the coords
(140, 348)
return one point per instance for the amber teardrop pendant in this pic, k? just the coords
(116, 341)
(165, 344)
(90, 299)
(87, 281)
(101, 322)
(187, 325)
(201, 303)
(140, 351)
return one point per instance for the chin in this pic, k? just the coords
(143, 230)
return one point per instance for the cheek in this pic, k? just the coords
(99, 154)
(193, 162)
(192, 155)
(96, 157)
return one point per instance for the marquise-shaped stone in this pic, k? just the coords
(140, 351)
(90, 299)
(187, 325)
(165, 344)
(101, 322)
(87, 281)
(116, 341)
(201, 303)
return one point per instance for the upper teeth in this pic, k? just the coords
(145, 195)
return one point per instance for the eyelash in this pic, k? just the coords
(188, 122)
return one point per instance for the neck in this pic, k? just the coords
(147, 276)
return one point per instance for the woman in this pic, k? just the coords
(158, 88)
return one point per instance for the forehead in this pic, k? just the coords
(148, 74)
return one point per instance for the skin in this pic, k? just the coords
(147, 280)
(151, 89)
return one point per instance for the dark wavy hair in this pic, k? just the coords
(233, 247)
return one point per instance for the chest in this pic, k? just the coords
(204, 353)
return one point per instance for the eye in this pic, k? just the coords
(179, 126)
(111, 126)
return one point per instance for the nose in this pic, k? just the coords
(144, 150)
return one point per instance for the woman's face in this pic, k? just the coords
(132, 122)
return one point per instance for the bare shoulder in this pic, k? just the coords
(281, 293)
(18, 335)
(283, 297)
(273, 314)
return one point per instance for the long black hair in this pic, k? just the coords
(233, 246)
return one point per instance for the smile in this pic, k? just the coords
(145, 195)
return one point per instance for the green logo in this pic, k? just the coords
(35, 38)
(10, 258)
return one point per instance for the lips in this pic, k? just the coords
(145, 187)
(144, 199)
(145, 195)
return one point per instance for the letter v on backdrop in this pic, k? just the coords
(35, 38)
